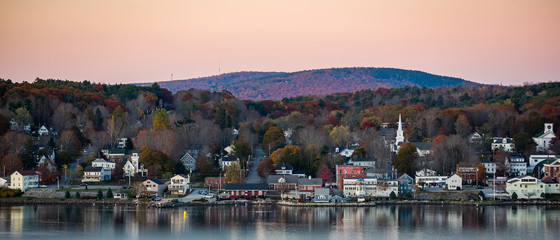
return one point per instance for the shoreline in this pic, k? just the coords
(22, 202)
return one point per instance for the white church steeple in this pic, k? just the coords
(400, 135)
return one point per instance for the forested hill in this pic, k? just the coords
(277, 85)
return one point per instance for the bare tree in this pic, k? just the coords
(311, 135)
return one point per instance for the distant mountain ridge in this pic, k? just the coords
(278, 85)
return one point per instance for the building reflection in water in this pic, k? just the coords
(279, 222)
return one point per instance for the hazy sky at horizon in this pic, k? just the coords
(497, 41)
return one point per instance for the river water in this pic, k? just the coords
(279, 222)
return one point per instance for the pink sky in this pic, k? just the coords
(496, 41)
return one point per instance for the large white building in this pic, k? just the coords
(23, 180)
(369, 187)
(505, 144)
(544, 138)
(525, 187)
(430, 181)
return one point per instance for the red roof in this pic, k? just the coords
(27, 172)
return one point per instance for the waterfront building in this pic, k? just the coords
(180, 184)
(322, 195)
(24, 180)
(454, 182)
(155, 187)
(405, 183)
(425, 173)
(367, 163)
(282, 182)
(526, 187)
(430, 181)
(247, 190)
(307, 186)
(553, 169)
(100, 162)
(4, 182)
(467, 174)
(215, 182)
(352, 172)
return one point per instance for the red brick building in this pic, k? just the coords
(353, 172)
(247, 190)
(215, 182)
(552, 170)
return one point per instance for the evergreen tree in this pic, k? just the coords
(99, 119)
(109, 194)
(67, 194)
(514, 196)
(77, 194)
(99, 194)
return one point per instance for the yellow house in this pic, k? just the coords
(23, 180)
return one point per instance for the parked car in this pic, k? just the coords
(43, 186)
(126, 187)
(83, 184)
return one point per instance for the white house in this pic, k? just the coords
(544, 138)
(96, 174)
(3, 182)
(100, 162)
(284, 168)
(525, 187)
(121, 143)
(475, 137)
(346, 152)
(359, 187)
(23, 180)
(43, 131)
(369, 187)
(425, 173)
(228, 161)
(430, 181)
(534, 160)
(516, 165)
(454, 182)
(189, 161)
(505, 144)
(179, 184)
(133, 167)
(489, 166)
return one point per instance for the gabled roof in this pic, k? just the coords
(229, 159)
(423, 146)
(93, 169)
(360, 159)
(322, 191)
(404, 176)
(99, 160)
(247, 186)
(310, 182)
(156, 181)
(283, 166)
(181, 175)
(273, 179)
(26, 172)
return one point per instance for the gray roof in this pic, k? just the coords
(484, 160)
(229, 159)
(93, 169)
(313, 181)
(298, 172)
(247, 186)
(284, 166)
(275, 178)
(423, 146)
(359, 159)
(157, 181)
(322, 191)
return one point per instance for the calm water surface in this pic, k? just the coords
(269, 222)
